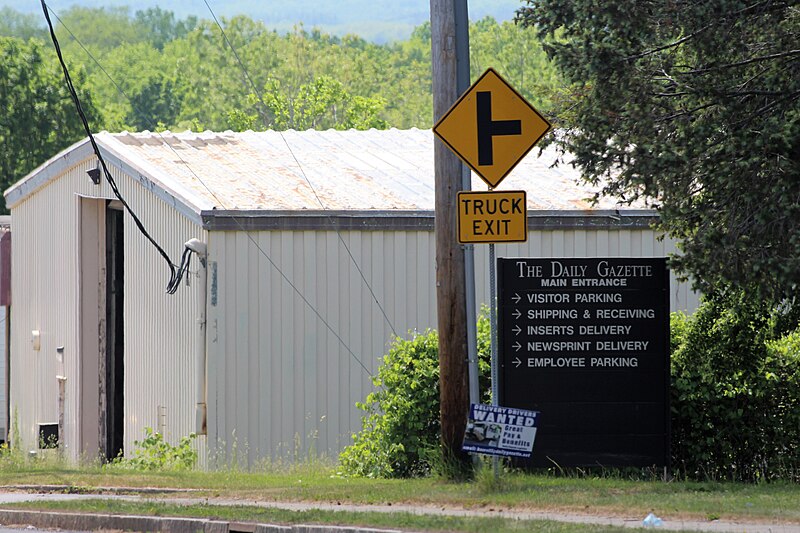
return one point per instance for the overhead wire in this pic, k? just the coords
(176, 271)
(302, 171)
(222, 204)
(91, 56)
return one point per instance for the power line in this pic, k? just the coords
(222, 204)
(176, 274)
(239, 60)
(302, 171)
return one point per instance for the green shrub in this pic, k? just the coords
(402, 414)
(735, 412)
(401, 430)
(735, 396)
(154, 453)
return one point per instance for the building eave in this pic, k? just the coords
(48, 171)
(233, 220)
(82, 151)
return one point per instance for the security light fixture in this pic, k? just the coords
(197, 246)
(94, 174)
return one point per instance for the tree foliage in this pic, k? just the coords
(100, 29)
(37, 116)
(21, 25)
(401, 430)
(151, 71)
(150, 68)
(161, 26)
(516, 52)
(321, 104)
(736, 390)
(692, 106)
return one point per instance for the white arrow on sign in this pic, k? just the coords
(517, 346)
(517, 313)
(517, 362)
(517, 330)
(516, 298)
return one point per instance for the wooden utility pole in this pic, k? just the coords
(450, 279)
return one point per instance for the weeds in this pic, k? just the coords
(154, 453)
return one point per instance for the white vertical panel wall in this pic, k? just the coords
(44, 288)
(291, 322)
(295, 334)
(159, 329)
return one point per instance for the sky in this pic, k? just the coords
(378, 20)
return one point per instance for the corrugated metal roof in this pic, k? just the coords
(331, 170)
(385, 170)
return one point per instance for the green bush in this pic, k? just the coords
(735, 394)
(154, 453)
(400, 432)
(402, 414)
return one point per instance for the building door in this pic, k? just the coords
(92, 321)
(101, 364)
(115, 354)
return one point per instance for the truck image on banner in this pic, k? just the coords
(495, 430)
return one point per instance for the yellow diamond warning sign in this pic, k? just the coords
(490, 217)
(491, 127)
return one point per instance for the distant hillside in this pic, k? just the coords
(374, 20)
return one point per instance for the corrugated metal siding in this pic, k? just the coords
(282, 383)
(44, 286)
(159, 329)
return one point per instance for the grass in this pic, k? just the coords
(279, 516)
(315, 482)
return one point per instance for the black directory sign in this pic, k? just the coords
(586, 343)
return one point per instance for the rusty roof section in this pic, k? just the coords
(385, 170)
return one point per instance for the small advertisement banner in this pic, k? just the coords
(504, 431)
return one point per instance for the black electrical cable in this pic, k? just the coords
(175, 274)
(186, 254)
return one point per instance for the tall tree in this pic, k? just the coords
(137, 102)
(150, 70)
(161, 27)
(321, 104)
(211, 80)
(693, 106)
(100, 29)
(516, 53)
(38, 117)
(21, 25)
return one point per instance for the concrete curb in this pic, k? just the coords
(105, 522)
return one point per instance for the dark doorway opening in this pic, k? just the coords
(115, 299)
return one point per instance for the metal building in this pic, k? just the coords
(319, 246)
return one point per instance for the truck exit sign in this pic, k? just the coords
(494, 216)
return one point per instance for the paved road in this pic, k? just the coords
(628, 522)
